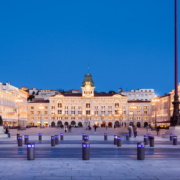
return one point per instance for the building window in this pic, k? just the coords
(59, 118)
(52, 118)
(32, 118)
(52, 107)
(130, 118)
(109, 112)
(32, 112)
(79, 108)
(116, 105)
(45, 107)
(53, 113)
(79, 118)
(145, 118)
(88, 112)
(72, 112)
(66, 118)
(109, 108)
(72, 108)
(88, 105)
(116, 112)
(66, 112)
(39, 112)
(66, 107)
(138, 112)
(102, 112)
(32, 107)
(80, 112)
(59, 111)
(123, 107)
(45, 112)
(138, 107)
(59, 105)
(72, 118)
(102, 108)
(138, 118)
(145, 107)
(130, 112)
(145, 112)
(45, 118)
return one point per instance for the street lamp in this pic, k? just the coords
(18, 102)
(133, 107)
(155, 101)
(41, 107)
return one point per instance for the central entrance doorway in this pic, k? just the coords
(103, 124)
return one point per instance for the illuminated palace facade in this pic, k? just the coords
(88, 108)
(13, 105)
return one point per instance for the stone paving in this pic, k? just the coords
(128, 167)
(78, 131)
(94, 169)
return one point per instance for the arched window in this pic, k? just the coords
(87, 105)
(116, 105)
(59, 105)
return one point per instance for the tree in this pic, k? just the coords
(30, 97)
(112, 92)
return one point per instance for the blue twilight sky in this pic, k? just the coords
(48, 44)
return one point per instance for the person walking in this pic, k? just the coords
(130, 130)
(65, 128)
(69, 128)
(157, 129)
(147, 128)
(135, 131)
(95, 128)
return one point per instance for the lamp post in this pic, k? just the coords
(175, 120)
(41, 107)
(18, 102)
(133, 107)
(155, 101)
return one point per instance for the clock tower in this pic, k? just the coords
(88, 86)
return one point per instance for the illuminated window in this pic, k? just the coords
(145, 112)
(145, 107)
(59, 105)
(59, 111)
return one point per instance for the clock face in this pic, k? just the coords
(87, 87)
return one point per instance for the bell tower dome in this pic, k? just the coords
(88, 86)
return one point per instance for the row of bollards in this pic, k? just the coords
(86, 144)
(54, 139)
